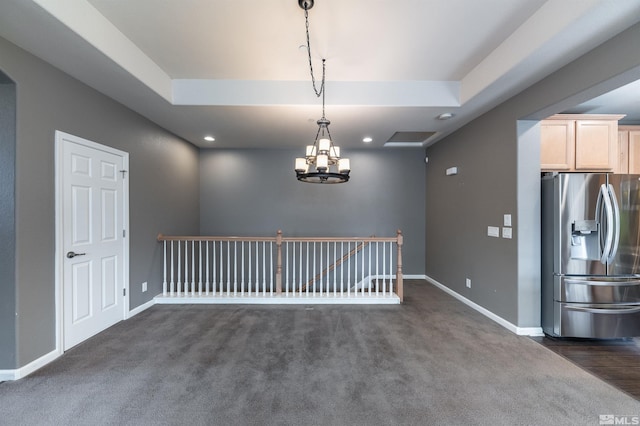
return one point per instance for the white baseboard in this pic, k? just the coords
(521, 331)
(414, 277)
(135, 311)
(21, 372)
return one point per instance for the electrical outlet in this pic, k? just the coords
(468, 283)
(144, 286)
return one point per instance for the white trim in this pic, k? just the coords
(364, 283)
(414, 277)
(311, 299)
(21, 372)
(520, 331)
(87, 22)
(59, 241)
(417, 93)
(135, 311)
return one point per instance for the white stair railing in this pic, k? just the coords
(282, 266)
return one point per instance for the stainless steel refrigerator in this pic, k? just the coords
(591, 255)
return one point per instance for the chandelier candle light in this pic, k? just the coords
(322, 162)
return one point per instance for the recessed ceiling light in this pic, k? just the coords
(444, 116)
(367, 139)
(209, 138)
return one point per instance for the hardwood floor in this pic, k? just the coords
(616, 361)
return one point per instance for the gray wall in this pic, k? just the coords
(255, 193)
(460, 207)
(7, 221)
(164, 188)
(498, 158)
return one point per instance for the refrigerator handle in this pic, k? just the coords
(616, 218)
(603, 197)
(623, 309)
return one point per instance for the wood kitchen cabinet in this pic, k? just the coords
(580, 143)
(629, 150)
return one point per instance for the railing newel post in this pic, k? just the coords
(399, 279)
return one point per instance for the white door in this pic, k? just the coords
(93, 248)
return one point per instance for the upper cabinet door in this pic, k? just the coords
(633, 136)
(596, 145)
(557, 148)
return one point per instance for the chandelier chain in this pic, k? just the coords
(317, 91)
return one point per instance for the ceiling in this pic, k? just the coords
(236, 69)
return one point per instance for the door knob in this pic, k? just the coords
(71, 254)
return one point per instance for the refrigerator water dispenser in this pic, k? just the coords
(585, 240)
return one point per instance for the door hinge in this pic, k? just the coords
(124, 233)
(124, 172)
(124, 291)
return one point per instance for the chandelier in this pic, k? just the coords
(322, 162)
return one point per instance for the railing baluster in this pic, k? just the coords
(365, 284)
(172, 285)
(300, 270)
(242, 265)
(326, 279)
(390, 268)
(193, 268)
(257, 267)
(286, 279)
(200, 268)
(206, 281)
(335, 281)
(377, 275)
(178, 285)
(321, 257)
(370, 250)
(328, 275)
(228, 268)
(342, 270)
(264, 272)
(349, 269)
(250, 267)
(308, 270)
(355, 268)
(214, 278)
(384, 269)
(185, 283)
(164, 268)
(221, 250)
(235, 268)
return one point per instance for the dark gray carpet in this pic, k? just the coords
(432, 360)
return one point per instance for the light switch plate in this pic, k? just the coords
(493, 231)
(507, 220)
(506, 232)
